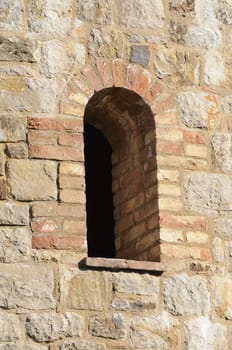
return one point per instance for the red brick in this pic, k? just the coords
(150, 164)
(55, 124)
(45, 225)
(133, 203)
(146, 211)
(67, 139)
(169, 134)
(93, 79)
(48, 209)
(73, 182)
(72, 196)
(124, 223)
(59, 242)
(104, 69)
(133, 232)
(74, 226)
(71, 108)
(154, 91)
(194, 137)
(41, 137)
(56, 152)
(166, 104)
(143, 82)
(183, 252)
(72, 169)
(153, 222)
(80, 82)
(149, 151)
(133, 72)
(190, 222)
(169, 148)
(169, 118)
(150, 179)
(118, 72)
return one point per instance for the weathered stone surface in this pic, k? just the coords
(12, 214)
(52, 326)
(141, 13)
(182, 7)
(193, 109)
(26, 287)
(3, 188)
(99, 11)
(19, 51)
(17, 150)
(208, 193)
(223, 301)
(228, 252)
(15, 244)
(22, 346)
(184, 295)
(32, 179)
(140, 55)
(205, 12)
(84, 289)
(200, 334)
(224, 11)
(158, 332)
(82, 345)
(214, 73)
(223, 226)
(207, 36)
(222, 151)
(58, 58)
(12, 128)
(50, 16)
(107, 43)
(113, 327)
(9, 327)
(218, 250)
(11, 15)
(28, 95)
(226, 104)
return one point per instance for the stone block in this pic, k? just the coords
(208, 193)
(17, 150)
(16, 51)
(50, 16)
(200, 333)
(224, 11)
(218, 250)
(141, 13)
(9, 327)
(186, 296)
(53, 326)
(22, 346)
(193, 109)
(32, 179)
(214, 73)
(12, 129)
(98, 11)
(82, 345)
(113, 327)
(182, 7)
(3, 188)
(140, 55)
(223, 226)
(12, 214)
(223, 301)
(132, 283)
(26, 287)
(222, 151)
(15, 244)
(12, 13)
(226, 103)
(107, 43)
(228, 253)
(27, 95)
(84, 290)
(203, 35)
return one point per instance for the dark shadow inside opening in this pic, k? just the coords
(99, 196)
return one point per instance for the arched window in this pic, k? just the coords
(121, 182)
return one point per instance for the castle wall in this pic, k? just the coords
(176, 56)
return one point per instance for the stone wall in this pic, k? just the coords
(176, 55)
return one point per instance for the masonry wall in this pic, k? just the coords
(54, 56)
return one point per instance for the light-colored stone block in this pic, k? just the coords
(15, 244)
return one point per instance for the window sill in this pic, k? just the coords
(123, 264)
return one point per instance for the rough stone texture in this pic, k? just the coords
(184, 295)
(182, 7)
(18, 150)
(193, 109)
(52, 326)
(26, 287)
(13, 214)
(32, 179)
(113, 327)
(224, 11)
(11, 15)
(140, 55)
(9, 327)
(82, 345)
(208, 193)
(15, 244)
(106, 43)
(83, 290)
(218, 250)
(99, 11)
(226, 104)
(204, 36)
(22, 346)
(222, 151)
(19, 51)
(228, 246)
(28, 95)
(223, 226)
(154, 332)
(12, 129)
(214, 73)
(223, 302)
(141, 13)
(50, 16)
(200, 334)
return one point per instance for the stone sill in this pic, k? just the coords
(123, 264)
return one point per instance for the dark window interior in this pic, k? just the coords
(99, 197)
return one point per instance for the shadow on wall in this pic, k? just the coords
(121, 176)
